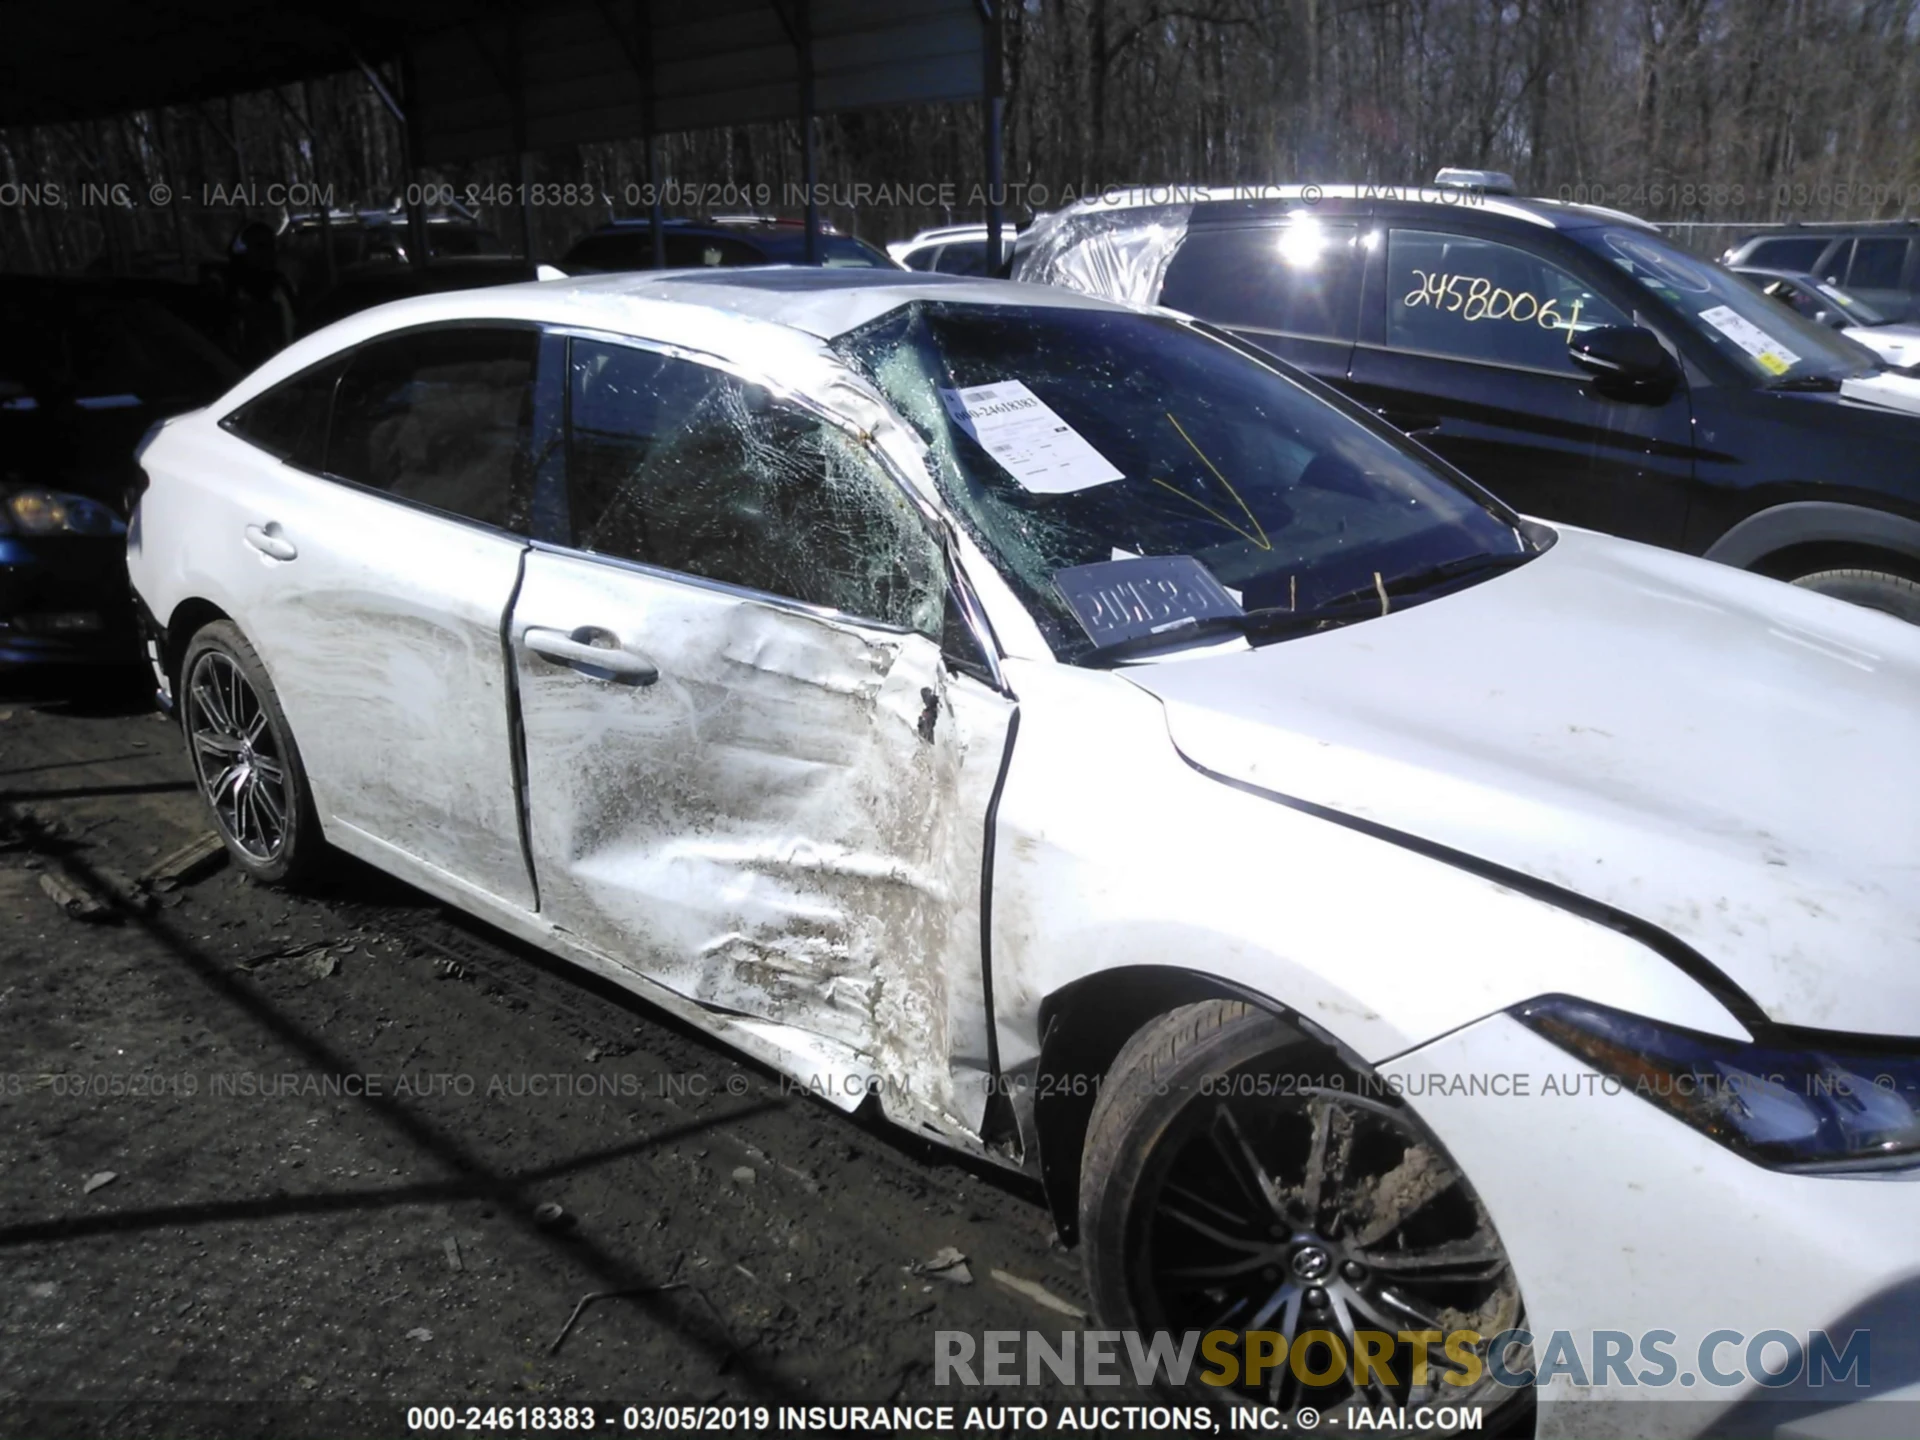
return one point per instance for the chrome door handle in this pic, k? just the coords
(599, 662)
(268, 540)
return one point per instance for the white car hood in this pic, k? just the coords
(1899, 343)
(1732, 760)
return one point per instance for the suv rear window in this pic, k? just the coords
(1301, 278)
(1800, 253)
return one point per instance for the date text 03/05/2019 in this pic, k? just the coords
(825, 1419)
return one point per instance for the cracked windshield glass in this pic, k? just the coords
(1066, 438)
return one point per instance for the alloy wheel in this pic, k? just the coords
(237, 755)
(1308, 1209)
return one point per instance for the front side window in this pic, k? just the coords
(442, 418)
(1301, 278)
(1064, 438)
(1474, 299)
(677, 465)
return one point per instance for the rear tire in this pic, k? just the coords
(1875, 589)
(245, 762)
(1239, 1176)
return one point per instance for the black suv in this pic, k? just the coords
(1879, 262)
(1569, 358)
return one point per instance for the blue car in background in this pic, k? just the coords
(86, 367)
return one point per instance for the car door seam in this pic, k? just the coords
(987, 851)
(517, 731)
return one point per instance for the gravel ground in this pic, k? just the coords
(331, 1121)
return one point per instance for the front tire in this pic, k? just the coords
(1239, 1176)
(244, 758)
(1875, 589)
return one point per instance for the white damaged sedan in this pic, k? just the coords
(1115, 755)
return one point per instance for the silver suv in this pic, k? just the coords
(1878, 262)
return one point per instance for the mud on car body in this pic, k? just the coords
(1117, 755)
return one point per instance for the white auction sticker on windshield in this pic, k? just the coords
(1774, 358)
(1034, 445)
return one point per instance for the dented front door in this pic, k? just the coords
(772, 811)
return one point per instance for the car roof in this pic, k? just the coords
(1553, 214)
(975, 231)
(766, 317)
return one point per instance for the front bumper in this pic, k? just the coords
(1619, 1218)
(64, 600)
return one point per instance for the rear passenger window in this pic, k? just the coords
(1877, 264)
(1798, 254)
(691, 469)
(963, 257)
(1475, 299)
(1300, 278)
(290, 420)
(442, 418)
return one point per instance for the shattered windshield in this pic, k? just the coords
(1066, 438)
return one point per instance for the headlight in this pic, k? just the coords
(1792, 1100)
(51, 512)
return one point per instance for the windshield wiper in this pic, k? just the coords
(1815, 384)
(1273, 622)
(1414, 581)
(1270, 623)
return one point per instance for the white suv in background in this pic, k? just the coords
(949, 250)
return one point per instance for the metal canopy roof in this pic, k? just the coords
(596, 71)
(490, 77)
(509, 77)
(105, 57)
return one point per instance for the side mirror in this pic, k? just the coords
(1630, 354)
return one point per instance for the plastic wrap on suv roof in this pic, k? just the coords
(1097, 253)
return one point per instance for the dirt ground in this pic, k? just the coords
(330, 1122)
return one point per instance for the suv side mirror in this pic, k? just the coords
(1630, 354)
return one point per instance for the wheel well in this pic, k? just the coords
(1083, 1027)
(189, 616)
(1797, 560)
